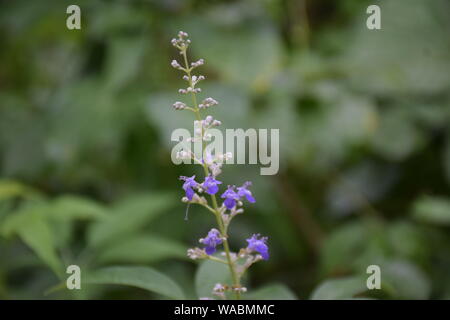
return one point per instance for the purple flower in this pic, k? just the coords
(244, 192)
(208, 158)
(258, 245)
(189, 184)
(210, 185)
(230, 197)
(211, 241)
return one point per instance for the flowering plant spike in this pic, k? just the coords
(204, 192)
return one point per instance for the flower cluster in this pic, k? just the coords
(232, 197)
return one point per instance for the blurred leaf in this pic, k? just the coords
(407, 241)
(141, 249)
(342, 246)
(64, 210)
(343, 288)
(271, 292)
(257, 41)
(73, 207)
(208, 275)
(128, 216)
(397, 123)
(407, 281)
(31, 225)
(10, 189)
(141, 277)
(434, 210)
(365, 182)
(124, 61)
(408, 55)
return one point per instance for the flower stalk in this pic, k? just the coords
(212, 168)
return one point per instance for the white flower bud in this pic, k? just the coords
(208, 102)
(208, 120)
(179, 105)
(196, 253)
(175, 64)
(197, 63)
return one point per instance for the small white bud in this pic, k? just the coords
(175, 64)
(179, 105)
(208, 120)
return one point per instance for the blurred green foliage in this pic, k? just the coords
(85, 121)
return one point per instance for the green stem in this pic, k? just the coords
(217, 213)
(217, 260)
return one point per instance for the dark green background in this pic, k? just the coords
(86, 116)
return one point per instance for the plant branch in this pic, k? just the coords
(234, 275)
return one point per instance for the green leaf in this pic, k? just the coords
(397, 123)
(343, 288)
(32, 226)
(271, 292)
(65, 209)
(433, 210)
(208, 275)
(73, 207)
(128, 216)
(142, 249)
(10, 189)
(342, 246)
(124, 60)
(396, 65)
(406, 280)
(408, 241)
(259, 42)
(141, 277)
